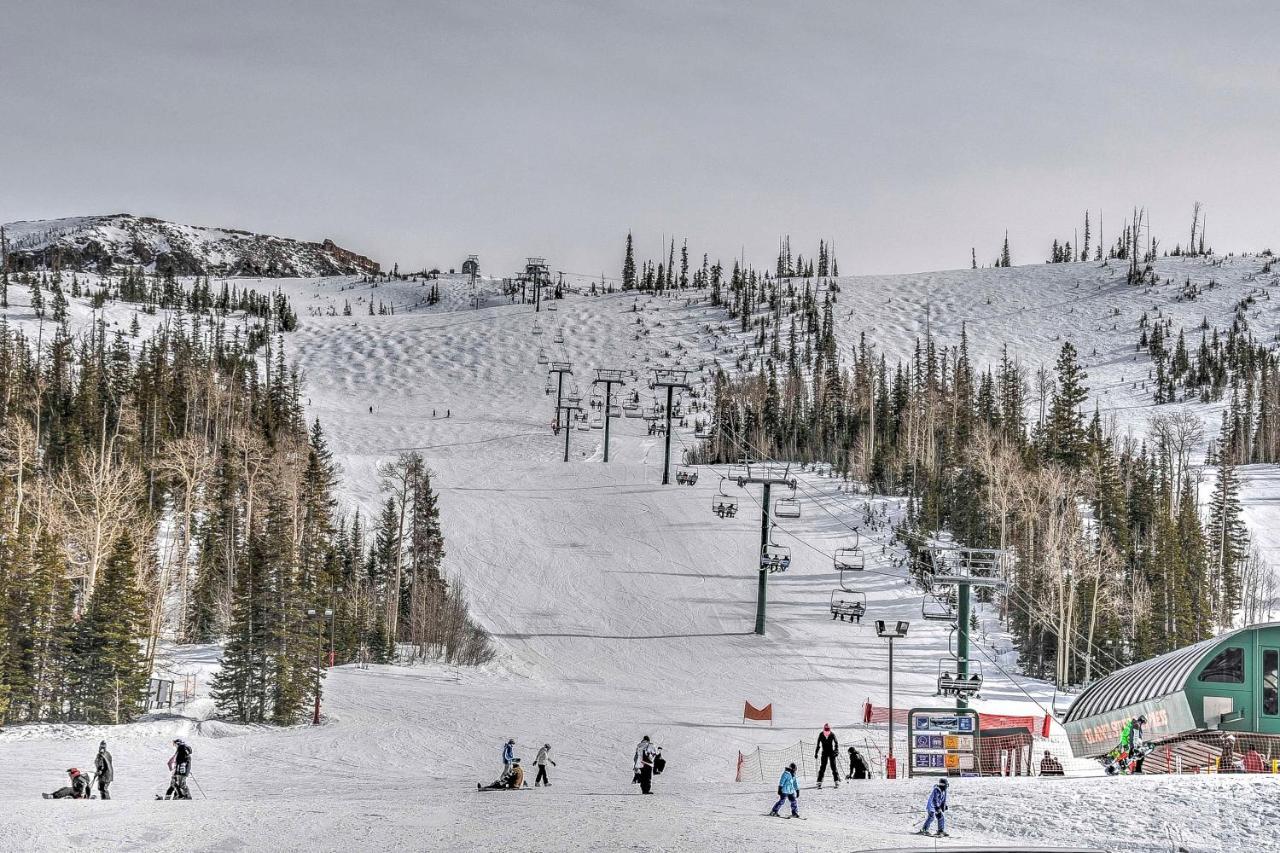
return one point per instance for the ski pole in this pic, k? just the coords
(198, 788)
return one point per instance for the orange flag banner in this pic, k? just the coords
(751, 712)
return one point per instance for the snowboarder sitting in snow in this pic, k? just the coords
(788, 790)
(77, 790)
(510, 780)
(937, 807)
(830, 748)
(857, 766)
(541, 762)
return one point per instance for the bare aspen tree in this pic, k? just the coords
(100, 501)
(187, 461)
(1176, 435)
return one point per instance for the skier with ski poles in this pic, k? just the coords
(104, 770)
(541, 762)
(937, 807)
(788, 790)
(830, 749)
(857, 766)
(180, 764)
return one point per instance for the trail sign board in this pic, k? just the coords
(942, 741)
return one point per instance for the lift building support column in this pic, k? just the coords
(609, 377)
(766, 477)
(560, 368)
(671, 379)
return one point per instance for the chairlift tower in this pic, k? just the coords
(767, 477)
(537, 275)
(609, 377)
(560, 368)
(964, 569)
(671, 378)
(570, 405)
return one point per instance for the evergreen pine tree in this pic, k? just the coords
(110, 671)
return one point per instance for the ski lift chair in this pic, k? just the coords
(597, 421)
(542, 356)
(537, 328)
(724, 506)
(632, 410)
(687, 475)
(559, 338)
(953, 684)
(775, 558)
(786, 508)
(551, 386)
(848, 605)
(936, 610)
(615, 411)
(849, 560)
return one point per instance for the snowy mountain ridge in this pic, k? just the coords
(104, 243)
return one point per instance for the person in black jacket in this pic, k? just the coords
(857, 766)
(180, 764)
(104, 770)
(77, 790)
(829, 747)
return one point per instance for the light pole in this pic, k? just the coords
(313, 613)
(891, 631)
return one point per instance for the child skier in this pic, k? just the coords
(508, 755)
(937, 807)
(787, 790)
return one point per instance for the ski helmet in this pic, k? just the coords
(546, 746)
(942, 783)
(792, 767)
(102, 745)
(74, 772)
(511, 740)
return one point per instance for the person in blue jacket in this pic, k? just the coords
(937, 807)
(788, 790)
(508, 755)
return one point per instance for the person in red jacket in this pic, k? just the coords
(829, 748)
(77, 790)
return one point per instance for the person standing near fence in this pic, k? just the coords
(829, 748)
(788, 790)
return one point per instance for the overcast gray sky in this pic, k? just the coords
(419, 132)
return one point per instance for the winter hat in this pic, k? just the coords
(826, 727)
(792, 767)
(74, 772)
(546, 746)
(511, 740)
(102, 745)
(942, 783)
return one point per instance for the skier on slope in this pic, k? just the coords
(180, 764)
(937, 808)
(508, 755)
(643, 763)
(857, 766)
(787, 790)
(830, 748)
(104, 770)
(541, 762)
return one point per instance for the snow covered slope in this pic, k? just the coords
(102, 243)
(623, 607)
